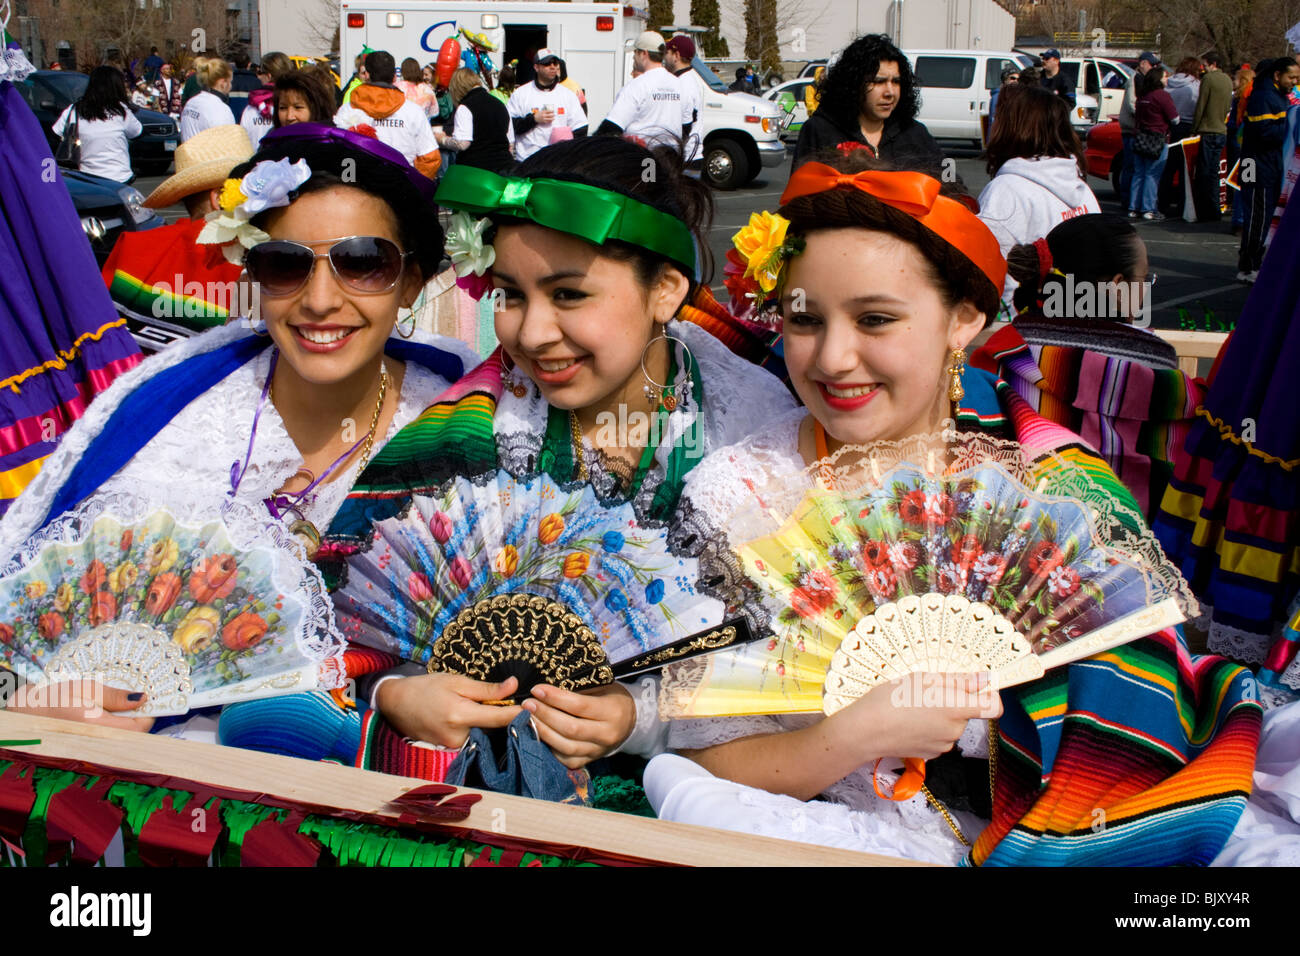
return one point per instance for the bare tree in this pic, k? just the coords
(321, 23)
(772, 24)
(1241, 30)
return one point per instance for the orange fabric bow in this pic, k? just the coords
(917, 195)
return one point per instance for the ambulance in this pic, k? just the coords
(739, 133)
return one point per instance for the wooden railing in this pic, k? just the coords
(209, 767)
(1192, 347)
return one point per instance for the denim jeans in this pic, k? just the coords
(1146, 181)
(1126, 169)
(516, 761)
(1206, 187)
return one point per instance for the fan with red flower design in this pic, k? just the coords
(955, 570)
(191, 612)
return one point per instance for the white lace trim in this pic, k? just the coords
(740, 398)
(14, 66)
(317, 637)
(187, 464)
(1248, 647)
(726, 481)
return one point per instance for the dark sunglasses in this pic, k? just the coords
(367, 264)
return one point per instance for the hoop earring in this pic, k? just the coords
(508, 380)
(956, 363)
(410, 326)
(669, 396)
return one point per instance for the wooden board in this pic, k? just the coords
(362, 790)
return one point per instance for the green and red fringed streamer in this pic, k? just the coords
(54, 816)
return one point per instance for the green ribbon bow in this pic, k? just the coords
(589, 212)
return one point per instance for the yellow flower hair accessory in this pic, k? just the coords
(231, 194)
(753, 269)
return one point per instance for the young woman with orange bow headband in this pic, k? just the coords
(882, 282)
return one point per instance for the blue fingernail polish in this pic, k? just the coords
(138, 695)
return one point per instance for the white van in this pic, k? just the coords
(1099, 78)
(955, 87)
(739, 134)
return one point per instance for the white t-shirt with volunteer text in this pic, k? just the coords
(406, 130)
(255, 124)
(529, 100)
(650, 107)
(204, 110)
(104, 150)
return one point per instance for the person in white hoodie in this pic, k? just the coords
(1038, 171)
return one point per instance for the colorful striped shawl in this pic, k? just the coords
(1136, 416)
(1230, 518)
(1141, 756)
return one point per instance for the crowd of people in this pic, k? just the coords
(588, 249)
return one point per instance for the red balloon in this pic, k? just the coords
(448, 60)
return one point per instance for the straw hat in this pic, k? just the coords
(203, 162)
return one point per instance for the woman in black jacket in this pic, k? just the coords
(869, 97)
(479, 126)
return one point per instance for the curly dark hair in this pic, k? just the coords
(844, 85)
(955, 275)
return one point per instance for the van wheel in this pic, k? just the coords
(725, 164)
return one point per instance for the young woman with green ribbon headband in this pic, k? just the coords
(592, 248)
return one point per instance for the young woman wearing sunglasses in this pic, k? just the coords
(593, 249)
(886, 284)
(284, 417)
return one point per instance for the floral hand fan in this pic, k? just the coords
(191, 612)
(593, 594)
(899, 567)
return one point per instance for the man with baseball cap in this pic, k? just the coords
(650, 106)
(1054, 79)
(162, 282)
(544, 105)
(1128, 122)
(679, 52)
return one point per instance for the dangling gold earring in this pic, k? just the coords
(956, 363)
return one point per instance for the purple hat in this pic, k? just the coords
(326, 147)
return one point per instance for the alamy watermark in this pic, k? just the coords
(1121, 301)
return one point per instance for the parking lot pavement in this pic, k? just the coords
(147, 184)
(1196, 265)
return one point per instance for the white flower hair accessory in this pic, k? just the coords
(268, 185)
(470, 255)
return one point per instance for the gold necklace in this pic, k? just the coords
(934, 802)
(374, 419)
(578, 456)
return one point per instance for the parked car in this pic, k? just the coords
(107, 209)
(50, 92)
(741, 133)
(1101, 78)
(789, 96)
(955, 86)
(1103, 151)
